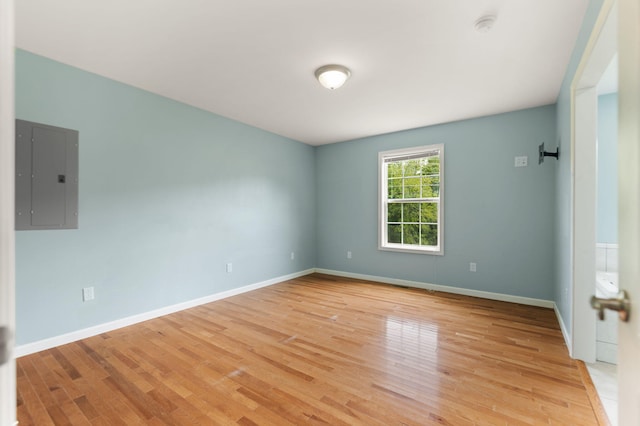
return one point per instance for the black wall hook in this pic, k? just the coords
(542, 153)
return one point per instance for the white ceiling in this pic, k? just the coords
(414, 62)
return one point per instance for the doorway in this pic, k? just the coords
(7, 246)
(604, 371)
(592, 242)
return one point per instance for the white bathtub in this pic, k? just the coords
(606, 284)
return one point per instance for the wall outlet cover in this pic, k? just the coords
(88, 294)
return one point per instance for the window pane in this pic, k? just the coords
(431, 186)
(394, 233)
(412, 167)
(429, 212)
(431, 180)
(429, 235)
(394, 169)
(427, 191)
(411, 212)
(411, 234)
(431, 167)
(412, 188)
(434, 190)
(394, 212)
(395, 188)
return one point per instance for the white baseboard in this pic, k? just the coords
(447, 289)
(565, 333)
(63, 339)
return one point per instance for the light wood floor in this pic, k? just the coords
(316, 350)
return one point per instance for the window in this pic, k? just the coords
(411, 194)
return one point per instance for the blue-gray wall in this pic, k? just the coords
(564, 191)
(607, 213)
(496, 215)
(168, 195)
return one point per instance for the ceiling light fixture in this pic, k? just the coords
(332, 76)
(485, 23)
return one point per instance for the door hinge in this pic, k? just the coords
(5, 337)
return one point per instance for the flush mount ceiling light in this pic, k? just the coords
(332, 76)
(485, 23)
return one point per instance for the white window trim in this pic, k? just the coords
(382, 205)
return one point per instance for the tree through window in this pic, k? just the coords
(411, 189)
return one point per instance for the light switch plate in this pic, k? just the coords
(522, 161)
(88, 294)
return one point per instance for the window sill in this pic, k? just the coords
(404, 249)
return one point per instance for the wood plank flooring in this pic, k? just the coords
(316, 350)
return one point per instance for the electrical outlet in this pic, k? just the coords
(229, 267)
(293, 255)
(88, 294)
(349, 255)
(472, 267)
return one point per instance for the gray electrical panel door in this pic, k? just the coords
(46, 177)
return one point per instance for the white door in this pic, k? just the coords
(7, 247)
(629, 208)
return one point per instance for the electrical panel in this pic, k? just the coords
(46, 177)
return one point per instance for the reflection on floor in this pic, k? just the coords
(605, 379)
